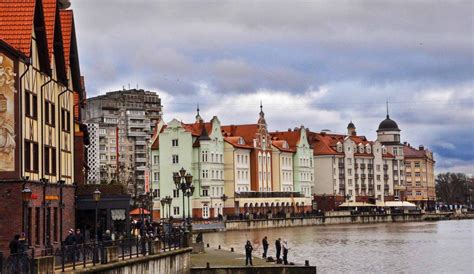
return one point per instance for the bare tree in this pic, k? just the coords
(453, 188)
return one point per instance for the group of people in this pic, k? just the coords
(279, 246)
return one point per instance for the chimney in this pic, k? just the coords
(421, 147)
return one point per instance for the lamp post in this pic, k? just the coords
(96, 196)
(223, 198)
(162, 211)
(26, 196)
(168, 201)
(189, 193)
(183, 182)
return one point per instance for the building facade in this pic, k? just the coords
(420, 177)
(351, 166)
(41, 84)
(126, 121)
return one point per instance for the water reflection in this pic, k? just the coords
(428, 247)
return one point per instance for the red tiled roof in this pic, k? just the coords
(279, 144)
(411, 152)
(49, 11)
(234, 140)
(292, 137)
(247, 132)
(195, 128)
(66, 17)
(16, 23)
(156, 143)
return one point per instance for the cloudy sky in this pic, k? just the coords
(313, 63)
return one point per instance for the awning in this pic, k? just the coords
(356, 204)
(399, 204)
(138, 211)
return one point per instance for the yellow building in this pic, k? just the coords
(420, 178)
(40, 80)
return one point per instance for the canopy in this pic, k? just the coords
(138, 211)
(399, 204)
(356, 204)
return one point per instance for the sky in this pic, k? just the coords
(319, 64)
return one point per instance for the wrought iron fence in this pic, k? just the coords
(89, 254)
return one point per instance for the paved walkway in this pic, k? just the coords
(223, 258)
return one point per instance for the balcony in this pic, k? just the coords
(363, 176)
(362, 166)
(356, 175)
(140, 160)
(371, 186)
(141, 168)
(386, 187)
(357, 186)
(136, 133)
(356, 165)
(370, 166)
(341, 176)
(371, 176)
(140, 143)
(385, 176)
(364, 187)
(385, 167)
(342, 186)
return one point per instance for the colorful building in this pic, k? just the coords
(42, 89)
(420, 177)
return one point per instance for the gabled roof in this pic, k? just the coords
(49, 11)
(195, 128)
(16, 23)
(66, 17)
(247, 132)
(234, 141)
(280, 145)
(291, 137)
(156, 143)
(326, 143)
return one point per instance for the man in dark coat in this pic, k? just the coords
(265, 246)
(14, 245)
(278, 248)
(248, 253)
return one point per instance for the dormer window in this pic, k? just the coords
(339, 147)
(241, 141)
(285, 145)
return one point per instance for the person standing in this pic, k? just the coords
(278, 249)
(248, 253)
(285, 252)
(265, 246)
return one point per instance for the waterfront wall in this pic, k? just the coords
(331, 218)
(175, 261)
(256, 270)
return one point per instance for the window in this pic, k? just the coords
(156, 176)
(378, 187)
(175, 159)
(31, 156)
(37, 225)
(349, 161)
(176, 210)
(55, 224)
(156, 159)
(175, 193)
(65, 120)
(31, 105)
(378, 167)
(417, 174)
(378, 177)
(349, 171)
(205, 192)
(49, 113)
(174, 142)
(417, 164)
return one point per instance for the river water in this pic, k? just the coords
(416, 247)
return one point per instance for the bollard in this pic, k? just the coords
(219, 247)
(306, 263)
(208, 265)
(231, 249)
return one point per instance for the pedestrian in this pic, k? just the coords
(14, 245)
(278, 249)
(248, 253)
(69, 242)
(285, 252)
(80, 242)
(265, 246)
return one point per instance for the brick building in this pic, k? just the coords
(41, 85)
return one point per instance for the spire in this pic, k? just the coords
(388, 116)
(261, 119)
(198, 117)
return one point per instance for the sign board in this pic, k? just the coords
(52, 198)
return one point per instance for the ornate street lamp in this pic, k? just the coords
(184, 183)
(162, 202)
(96, 196)
(168, 201)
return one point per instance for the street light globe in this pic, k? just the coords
(96, 195)
(26, 194)
(189, 179)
